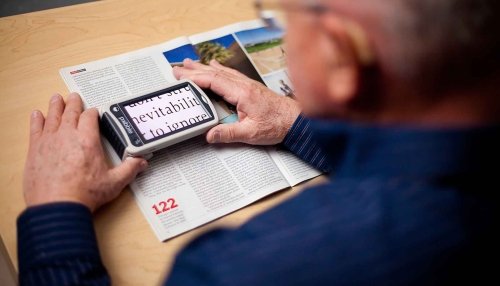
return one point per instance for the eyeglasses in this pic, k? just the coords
(272, 12)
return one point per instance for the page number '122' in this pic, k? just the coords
(164, 206)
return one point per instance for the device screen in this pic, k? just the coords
(162, 114)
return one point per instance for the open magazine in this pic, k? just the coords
(192, 183)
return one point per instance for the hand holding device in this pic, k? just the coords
(66, 161)
(264, 116)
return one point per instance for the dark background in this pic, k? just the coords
(14, 7)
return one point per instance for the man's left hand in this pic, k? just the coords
(264, 117)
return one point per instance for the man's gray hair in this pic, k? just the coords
(444, 43)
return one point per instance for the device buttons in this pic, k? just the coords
(112, 134)
(204, 99)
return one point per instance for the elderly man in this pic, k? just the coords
(406, 110)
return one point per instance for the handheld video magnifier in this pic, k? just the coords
(137, 126)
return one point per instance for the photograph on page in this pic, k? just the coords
(266, 50)
(227, 112)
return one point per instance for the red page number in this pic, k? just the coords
(164, 206)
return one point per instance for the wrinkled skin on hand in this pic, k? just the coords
(66, 161)
(264, 116)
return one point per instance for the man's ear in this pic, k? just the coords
(353, 54)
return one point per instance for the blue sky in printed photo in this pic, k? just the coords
(179, 54)
(259, 35)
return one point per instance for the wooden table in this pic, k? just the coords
(32, 49)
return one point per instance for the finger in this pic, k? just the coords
(56, 109)
(220, 82)
(72, 111)
(125, 173)
(217, 65)
(190, 64)
(36, 125)
(214, 64)
(89, 122)
(228, 133)
(178, 71)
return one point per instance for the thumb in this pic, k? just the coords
(228, 133)
(126, 172)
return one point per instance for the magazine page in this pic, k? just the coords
(264, 47)
(193, 182)
(293, 169)
(133, 73)
(257, 52)
(190, 183)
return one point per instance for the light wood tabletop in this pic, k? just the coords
(34, 46)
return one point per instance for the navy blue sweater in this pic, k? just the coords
(404, 206)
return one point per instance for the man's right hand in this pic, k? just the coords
(264, 116)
